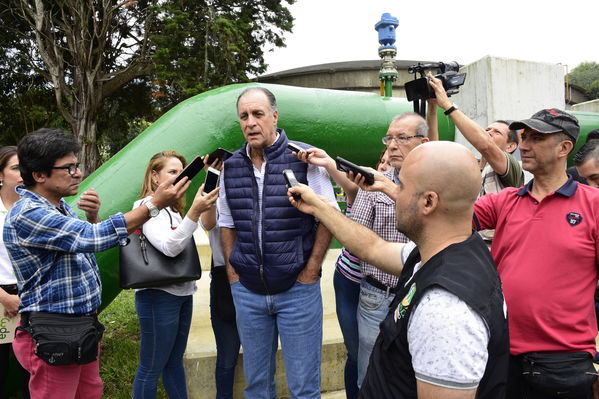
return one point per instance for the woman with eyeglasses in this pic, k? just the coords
(10, 177)
(165, 312)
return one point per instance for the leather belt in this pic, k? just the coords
(10, 288)
(377, 284)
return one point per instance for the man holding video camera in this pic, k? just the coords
(273, 252)
(496, 144)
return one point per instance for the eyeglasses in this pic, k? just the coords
(401, 140)
(72, 168)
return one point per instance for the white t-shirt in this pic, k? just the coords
(447, 338)
(7, 273)
(170, 242)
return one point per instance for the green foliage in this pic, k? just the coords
(156, 54)
(586, 75)
(123, 117)
(201, 45)
(594, 89)
(120, 347)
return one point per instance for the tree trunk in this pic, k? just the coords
(85, 130)
(86, 105)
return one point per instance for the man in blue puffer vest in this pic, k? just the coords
(274, 253)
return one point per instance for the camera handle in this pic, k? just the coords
(420, 104)
(420, 107)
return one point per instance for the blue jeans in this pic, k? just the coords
(164, 322)
(295, 315)
(347, 296)
(372, 310)
(227, 351)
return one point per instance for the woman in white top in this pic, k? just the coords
(10, 177)
(165, 312)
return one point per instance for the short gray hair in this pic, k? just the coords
(421, 128)
(272, 101)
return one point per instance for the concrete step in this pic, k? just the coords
(200, 356)
(333, 395)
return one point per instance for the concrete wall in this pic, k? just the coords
(589, 106)
(502, 88)
(351, 75)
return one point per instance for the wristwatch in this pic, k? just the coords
(450, 110)
(152, 208)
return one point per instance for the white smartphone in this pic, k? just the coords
(211, 182)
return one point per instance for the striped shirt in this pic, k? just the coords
(376, 211)
(347, 263)
(52, 254)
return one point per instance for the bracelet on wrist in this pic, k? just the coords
(450, 110)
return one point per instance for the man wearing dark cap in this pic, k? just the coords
(545, 248)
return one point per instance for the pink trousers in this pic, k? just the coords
(57, 382)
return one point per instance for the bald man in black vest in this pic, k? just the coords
(446, 332)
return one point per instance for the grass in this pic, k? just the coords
(120, 347)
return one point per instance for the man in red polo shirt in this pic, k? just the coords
(546, 253)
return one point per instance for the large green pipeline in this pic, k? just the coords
(347, 124)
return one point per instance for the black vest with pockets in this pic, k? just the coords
(467, 270)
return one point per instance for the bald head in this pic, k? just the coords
(448, 169)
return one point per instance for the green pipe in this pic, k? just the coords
(348, 124)
(388, 88)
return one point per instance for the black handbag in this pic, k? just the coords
(143, 266)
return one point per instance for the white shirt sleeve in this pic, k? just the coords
(320, 181)
(407, 250)
(448, 341)
(158, 231)
(224, 213)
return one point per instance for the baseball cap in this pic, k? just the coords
(551, 120)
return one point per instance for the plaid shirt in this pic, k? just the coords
(52, 254)
(377, 212)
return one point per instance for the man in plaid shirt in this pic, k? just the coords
(376, 211)
(52, 252)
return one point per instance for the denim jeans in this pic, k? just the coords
(372, 310)
(295, 315)
(227, 351)
(347, 296)
(164, 322)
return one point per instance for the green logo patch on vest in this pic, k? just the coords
(401, 309)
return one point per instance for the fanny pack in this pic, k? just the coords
(62, 339)
(563, 375)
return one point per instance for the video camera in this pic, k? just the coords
(419, 89)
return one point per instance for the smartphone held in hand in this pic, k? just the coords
(191, 170)
(291, 181)
(346, 166)
(211, 182)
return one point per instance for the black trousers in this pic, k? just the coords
(5, 360)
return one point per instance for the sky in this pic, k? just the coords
(551, 31)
